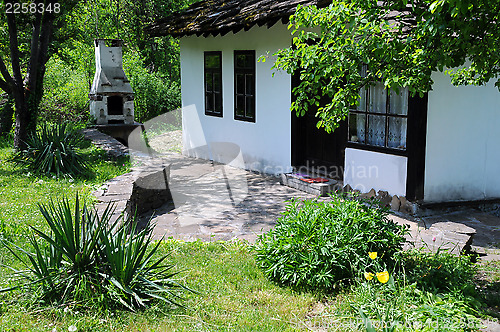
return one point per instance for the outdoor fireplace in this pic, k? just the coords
(111, 95)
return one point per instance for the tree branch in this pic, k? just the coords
(4, 86)
(47, 25)
(14, 50)
(5, 73)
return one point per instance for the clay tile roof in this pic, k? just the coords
(213, 17)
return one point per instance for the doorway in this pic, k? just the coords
(314, 150)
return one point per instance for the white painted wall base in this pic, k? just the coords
(463, 142)
(365, 170)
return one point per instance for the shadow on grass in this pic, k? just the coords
(102, 166)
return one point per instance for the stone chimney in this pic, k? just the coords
(111, 95)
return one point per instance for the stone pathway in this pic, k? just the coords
(213, 202)
(109, 144)
(217, 202)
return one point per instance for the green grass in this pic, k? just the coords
(232, 292)
(232, 295)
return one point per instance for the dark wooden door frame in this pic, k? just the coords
(416, 146)
(299, 138)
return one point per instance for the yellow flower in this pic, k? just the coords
(383, 277)
(372, 254)
(369, 275)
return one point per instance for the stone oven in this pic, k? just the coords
(111, 95)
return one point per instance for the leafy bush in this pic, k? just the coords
(88, 259)
(53, 149)
(65, 95)
(154, 94)
(438, 272)
(317, 244)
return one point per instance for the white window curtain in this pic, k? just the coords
(377, 97)
(398, 125)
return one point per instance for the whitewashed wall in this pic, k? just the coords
(463, 142)
(266, 144)
(365, 170)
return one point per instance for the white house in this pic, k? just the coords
(443, 147)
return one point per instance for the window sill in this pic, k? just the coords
(380, 149)
(244, 119)
(217, 115)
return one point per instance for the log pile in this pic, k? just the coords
(214, 17)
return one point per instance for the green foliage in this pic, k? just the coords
(438, 272)
(400, 42)
(154, 95)
(406, 307)
(429, 291)
(318, 244)
(87, 258)
(53, 149)
(65, 95)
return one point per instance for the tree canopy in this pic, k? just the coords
(351, 44)
(36, 33)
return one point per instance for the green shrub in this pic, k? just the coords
(87, 259)
(154, 94)
(65, 93)
(318, 244)
(438, 272)
(53, 149)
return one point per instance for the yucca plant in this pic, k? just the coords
(134, 277)
(86, 257)
(53, 149)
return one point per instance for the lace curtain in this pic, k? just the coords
(379, 118)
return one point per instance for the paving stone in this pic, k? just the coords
(113, 198)
(454, 227)
(347, 188)
(371, 193)
(119, 189)
(487, 219)
(384, 198)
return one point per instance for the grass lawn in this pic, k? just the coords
(232, 294)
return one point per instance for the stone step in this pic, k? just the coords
(456, 238)
(318, 189)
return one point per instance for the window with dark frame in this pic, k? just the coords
(244, 85)
(381, 119)
(213, 83)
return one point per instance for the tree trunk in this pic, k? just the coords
(27, 92)
(6, 113)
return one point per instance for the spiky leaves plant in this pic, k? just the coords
(134, 276)
(89, 259)
(53, 149)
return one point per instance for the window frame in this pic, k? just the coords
(366, 112)
(213, 93)
(245, 95)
